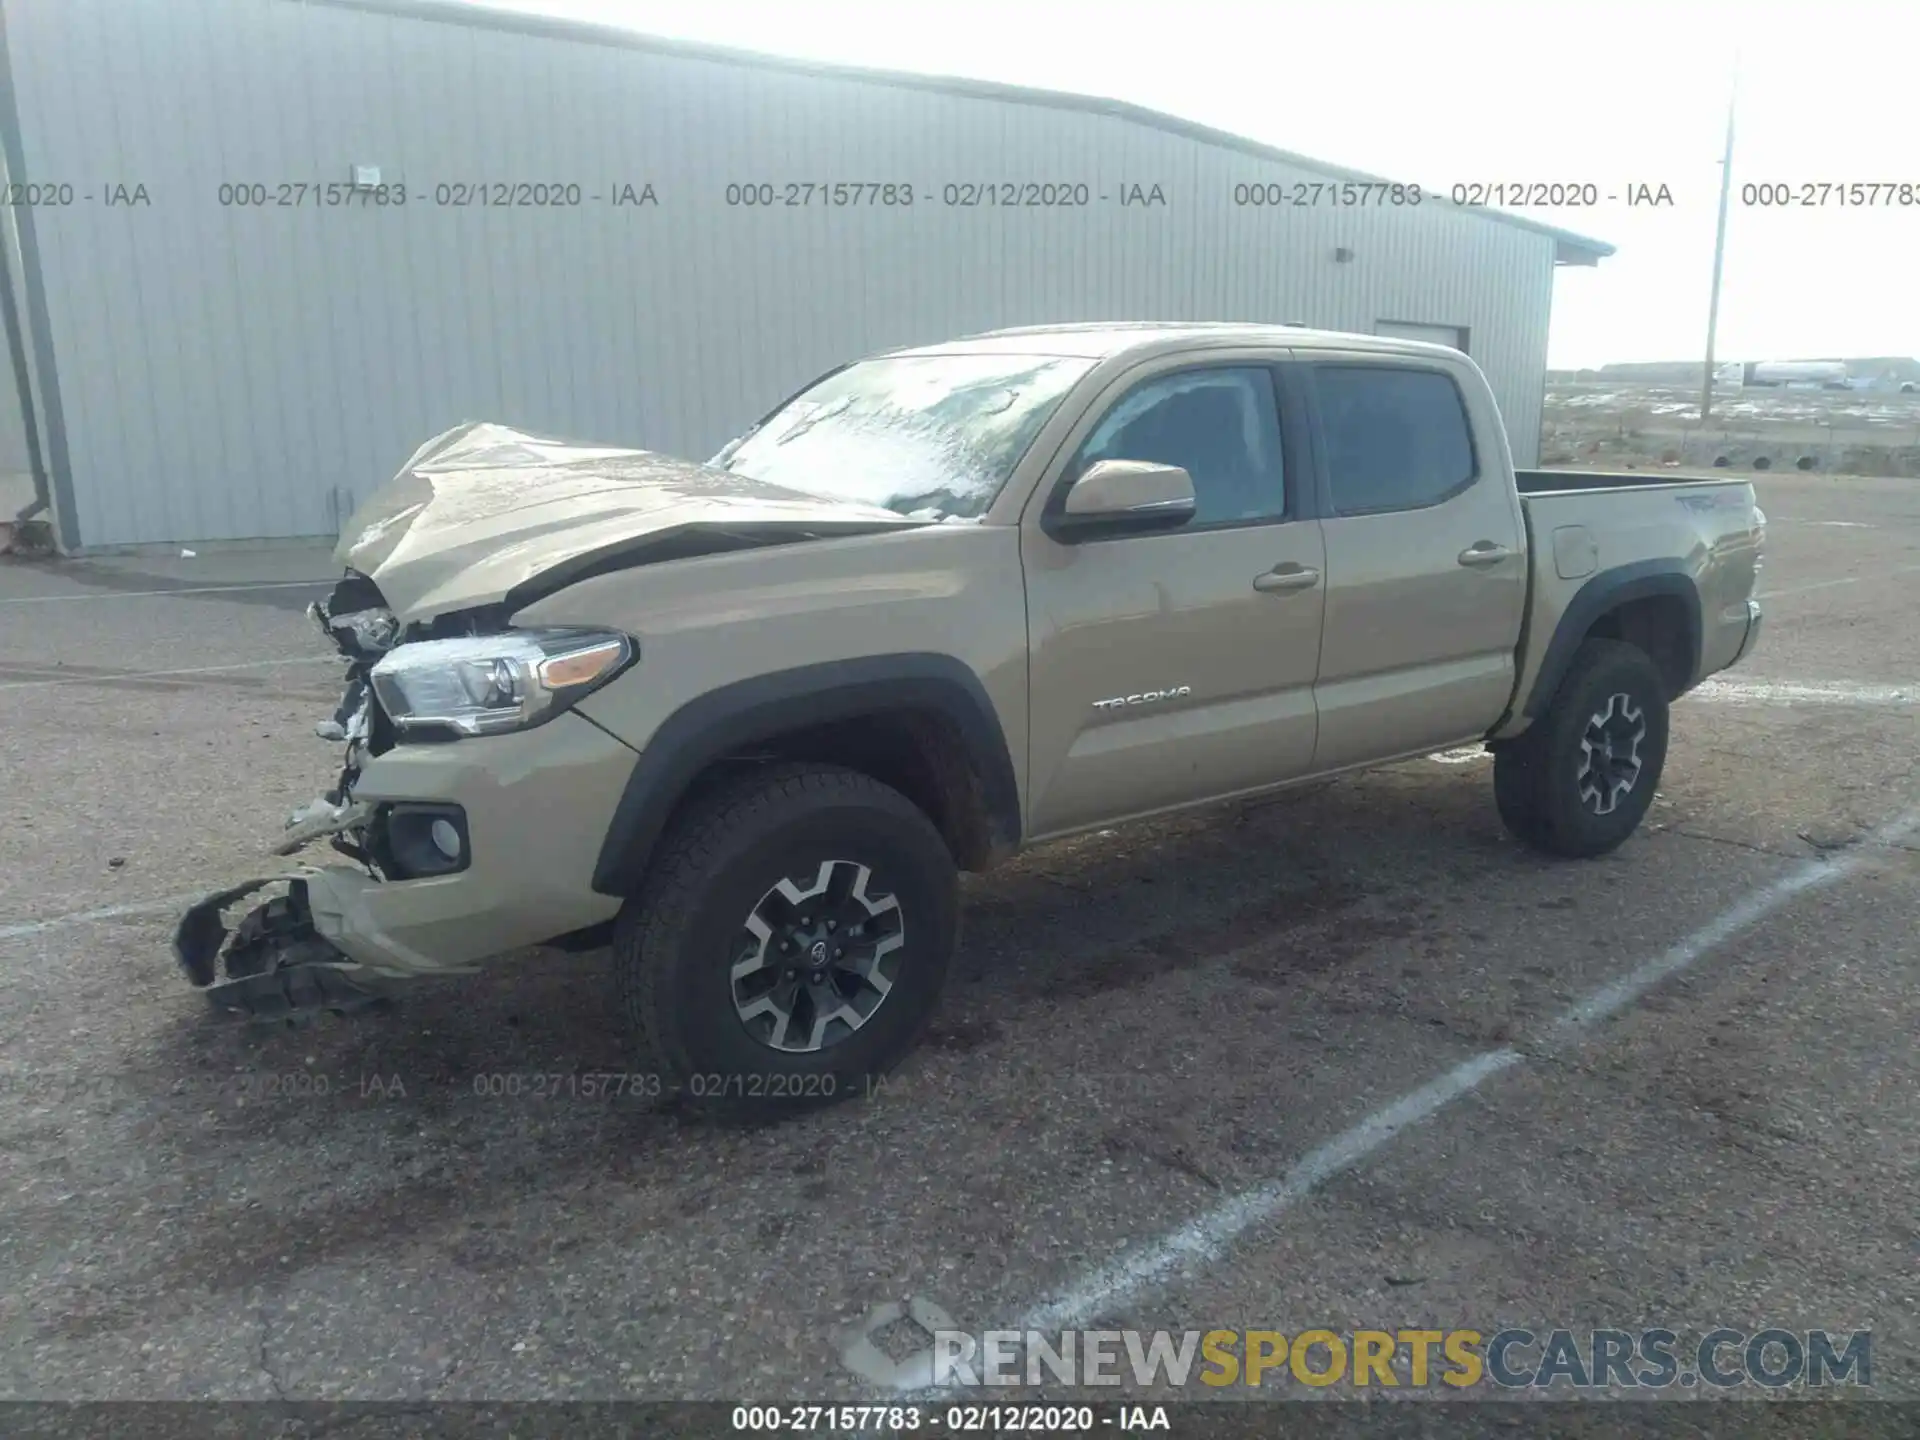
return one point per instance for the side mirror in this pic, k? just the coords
(1124, 497)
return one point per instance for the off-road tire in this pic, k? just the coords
(675, 940)
(1538, 778)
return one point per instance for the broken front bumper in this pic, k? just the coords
(274, 965)
(533, 806)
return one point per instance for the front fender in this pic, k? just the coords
(755, 710)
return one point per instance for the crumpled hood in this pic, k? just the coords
(483, 514)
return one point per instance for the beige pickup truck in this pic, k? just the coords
(748, 719)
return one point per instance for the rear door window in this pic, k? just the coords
(1396, 439)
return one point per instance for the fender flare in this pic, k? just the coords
(764, 707)
(1607, 591)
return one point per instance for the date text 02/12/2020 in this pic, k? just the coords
(955, 1419)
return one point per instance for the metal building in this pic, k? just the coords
(260, 249)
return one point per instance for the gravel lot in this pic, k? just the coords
(1148, 1032)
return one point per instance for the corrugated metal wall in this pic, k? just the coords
(231, 372)
(16, 452)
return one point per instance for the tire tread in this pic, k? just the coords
(1524, 768)
(650, 925)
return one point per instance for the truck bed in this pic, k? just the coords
(1554, 482)
(1591, 531)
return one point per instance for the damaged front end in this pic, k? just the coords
(276, 964)
(480, 523)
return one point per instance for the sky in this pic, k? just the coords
(1617, 94)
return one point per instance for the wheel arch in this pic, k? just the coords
(1653, 604)
(919, 721)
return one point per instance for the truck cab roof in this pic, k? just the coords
(1108, 339)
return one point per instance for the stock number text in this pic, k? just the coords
(1861, 194)
(1343, 193)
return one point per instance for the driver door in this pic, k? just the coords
(1176, 666)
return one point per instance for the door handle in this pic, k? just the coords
(1484, 552)
(1287, 577)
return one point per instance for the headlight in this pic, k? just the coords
(484, 684)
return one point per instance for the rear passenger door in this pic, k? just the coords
(1426, 557)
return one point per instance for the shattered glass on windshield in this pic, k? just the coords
(932, 437)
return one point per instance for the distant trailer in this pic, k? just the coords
(1829, 373)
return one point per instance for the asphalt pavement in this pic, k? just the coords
(1346, 1059)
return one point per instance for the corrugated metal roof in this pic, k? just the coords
(1570, 248)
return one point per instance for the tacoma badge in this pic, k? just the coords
(1145, 697)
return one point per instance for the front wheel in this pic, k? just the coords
(792, 940)
(1579, 781)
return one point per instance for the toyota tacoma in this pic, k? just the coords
(746, 720)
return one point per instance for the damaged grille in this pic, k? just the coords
(356, 618)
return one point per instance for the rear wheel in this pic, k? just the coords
(791, 941)
(1579, 781)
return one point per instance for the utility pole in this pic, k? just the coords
(1719, 248)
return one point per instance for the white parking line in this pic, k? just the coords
(1832, 584)
(1789, 692)
(1204, 1238)
(1464, 755)
(1610, 999)
(180, 590)
(164, 674)
(110, 912)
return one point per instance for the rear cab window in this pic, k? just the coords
(1395, 437)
